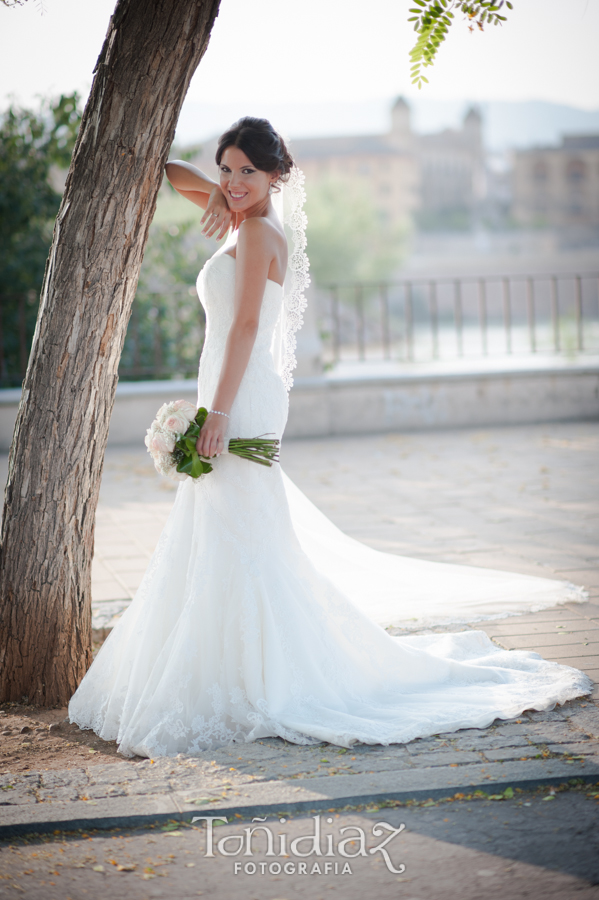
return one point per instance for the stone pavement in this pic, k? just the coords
(519, 498)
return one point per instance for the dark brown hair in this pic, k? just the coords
(263, 146)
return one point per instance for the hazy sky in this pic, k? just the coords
(308, 50)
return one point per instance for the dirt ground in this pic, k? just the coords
(37, 740)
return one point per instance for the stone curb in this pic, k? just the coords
(294, 797)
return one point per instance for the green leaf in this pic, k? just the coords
(201, 415)
(197, 466)
(185, 465)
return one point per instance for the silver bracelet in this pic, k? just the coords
(219, 413)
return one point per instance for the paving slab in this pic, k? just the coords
(296, 796)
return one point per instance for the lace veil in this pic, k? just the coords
(288, 204)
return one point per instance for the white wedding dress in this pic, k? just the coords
(257, 617)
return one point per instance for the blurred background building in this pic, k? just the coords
(559, 186)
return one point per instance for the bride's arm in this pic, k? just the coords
(256, 248)
(194, 185)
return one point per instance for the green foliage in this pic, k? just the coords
(348, 239)
(166, 330)
(433, 18)
(12, 3)
(34, 145)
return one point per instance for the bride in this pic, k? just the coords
(257, 617)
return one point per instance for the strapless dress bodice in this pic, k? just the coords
(216, 290)
(261, 405)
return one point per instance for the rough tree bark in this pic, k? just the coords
(152, 49)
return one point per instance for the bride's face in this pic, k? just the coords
(242, 183)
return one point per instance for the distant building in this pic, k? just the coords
(437, 179)
(451, 165)
(558, 186)
(386, 163)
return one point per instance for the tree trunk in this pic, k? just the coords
(151, 50)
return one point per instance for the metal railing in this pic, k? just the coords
(17, 325)
(410, 320)
(164, 337)
(435, 318)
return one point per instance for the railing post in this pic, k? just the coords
(457, 301)
(530, 308)
(359, 296)
(135, 334)
(578, 300)
(385, 320)
(22, 336)
(434, 318)
(409, 319)
(507, 315)
(335, 322)
(180, 348)
(555, 313)
(3, 372)
(482, 303)
(158, 354)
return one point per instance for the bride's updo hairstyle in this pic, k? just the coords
(263, 146)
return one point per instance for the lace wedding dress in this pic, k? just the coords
(257, 617)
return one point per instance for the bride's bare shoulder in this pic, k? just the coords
(259, 232)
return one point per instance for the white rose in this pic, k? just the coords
(164, 411)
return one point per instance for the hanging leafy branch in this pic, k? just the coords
(433, 19)
(38, 3)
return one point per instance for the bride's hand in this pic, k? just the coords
(218, 217)
(211, 441)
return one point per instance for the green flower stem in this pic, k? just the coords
(261, 449)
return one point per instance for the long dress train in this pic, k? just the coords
(257, 617)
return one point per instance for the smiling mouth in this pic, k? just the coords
(237, 196)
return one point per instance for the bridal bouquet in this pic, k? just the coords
(171, 442)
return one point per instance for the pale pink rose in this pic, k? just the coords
(177, 421)
(187, 408)
(152, 431)
(162, 443)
